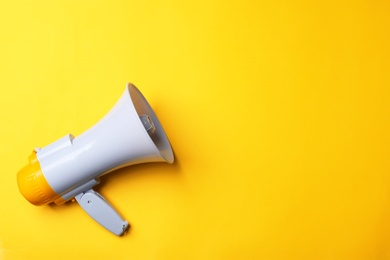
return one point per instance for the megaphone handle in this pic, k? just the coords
(102, 212)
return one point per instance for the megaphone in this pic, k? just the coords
(70, 167)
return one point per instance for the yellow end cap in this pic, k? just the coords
(33, 184)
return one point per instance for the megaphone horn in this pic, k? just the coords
(68, 168)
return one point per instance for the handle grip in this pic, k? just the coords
(102, 212)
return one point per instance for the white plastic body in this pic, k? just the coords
(118, 140)
(73, 165)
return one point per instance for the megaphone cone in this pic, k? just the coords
(68, 168)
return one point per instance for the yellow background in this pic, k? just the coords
(278, 113)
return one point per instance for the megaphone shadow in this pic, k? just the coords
(127, 174)
(145, 170)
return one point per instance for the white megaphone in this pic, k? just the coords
(68, 168)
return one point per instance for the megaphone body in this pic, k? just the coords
(68, 168)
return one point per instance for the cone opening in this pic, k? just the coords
(159, 137)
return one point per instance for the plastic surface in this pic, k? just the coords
(101, 211)
(119, 139)
(33, 184)
(72, 193)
